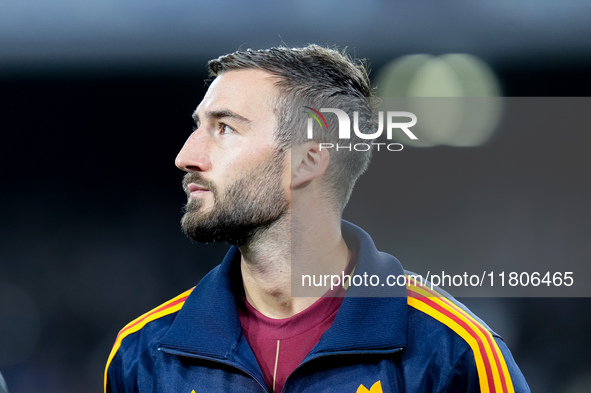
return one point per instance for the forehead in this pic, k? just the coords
(249, 93)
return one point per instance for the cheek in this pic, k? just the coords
(229, 163)
(286, 178)
(287, 174)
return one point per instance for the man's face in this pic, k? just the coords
(236, 177)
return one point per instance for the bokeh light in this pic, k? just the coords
(19, 324)
(455, 97)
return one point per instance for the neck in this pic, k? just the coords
(287, 249)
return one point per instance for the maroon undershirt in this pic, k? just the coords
(280, 345)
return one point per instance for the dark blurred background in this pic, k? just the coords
(96, 100)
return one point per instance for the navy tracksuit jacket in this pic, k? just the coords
(383, 339)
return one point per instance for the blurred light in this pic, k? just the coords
(394, 79)
(455, 97)
(580, 384)
(19, 325)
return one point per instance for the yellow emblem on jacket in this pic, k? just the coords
(376, 388)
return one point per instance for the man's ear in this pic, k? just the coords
(308, 162)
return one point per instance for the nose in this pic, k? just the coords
(193, 156)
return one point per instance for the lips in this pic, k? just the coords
(196, 189)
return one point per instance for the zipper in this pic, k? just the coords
(220, 361)
(377, 352)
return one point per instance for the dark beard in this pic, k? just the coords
(250, 205)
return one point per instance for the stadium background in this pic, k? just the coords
(95, 102)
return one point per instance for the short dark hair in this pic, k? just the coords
(320, 78)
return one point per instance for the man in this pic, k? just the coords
(256, 181)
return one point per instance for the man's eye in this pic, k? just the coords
(224, 129)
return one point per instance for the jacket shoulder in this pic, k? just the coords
(157, 319)
(468, 343)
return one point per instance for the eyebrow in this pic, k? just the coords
(222, 114)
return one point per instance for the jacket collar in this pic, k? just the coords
(369, 319)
